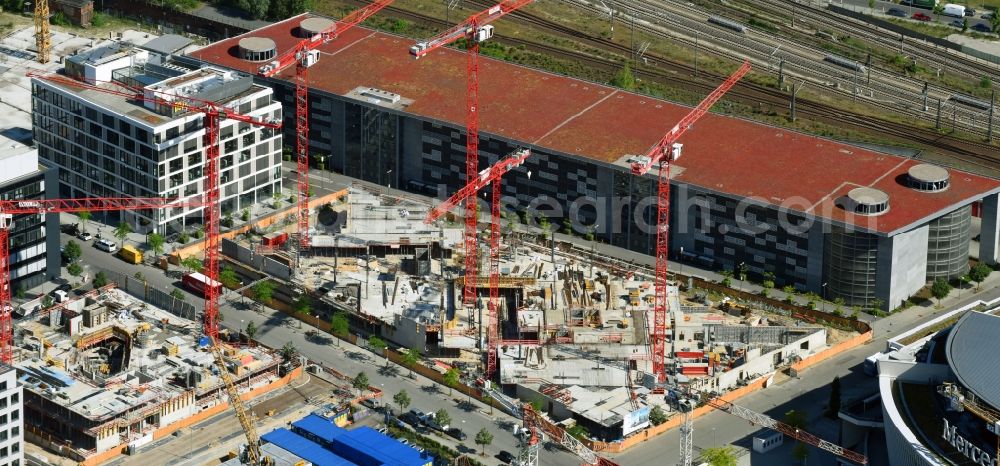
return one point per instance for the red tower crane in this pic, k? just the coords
(213, 113)
(474, 30)
(662, 154)
(304, 55)
(485, 177)
(8, 209)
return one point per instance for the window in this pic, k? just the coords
(15, 415)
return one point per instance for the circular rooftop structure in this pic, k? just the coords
(311, 26)
(257, 48)
(970, 343)
(867, 201)
(927, 177)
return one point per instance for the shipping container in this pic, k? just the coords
(274, 239)
(130, 254)
(199, 282)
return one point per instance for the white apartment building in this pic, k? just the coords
(11, 419)
(107, 146)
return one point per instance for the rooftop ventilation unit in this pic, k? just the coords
(928, 178)
(257, 48)
(866, 201)
(381, 96)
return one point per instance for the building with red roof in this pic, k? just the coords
(818, 214)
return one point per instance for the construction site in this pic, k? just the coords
(107, 371)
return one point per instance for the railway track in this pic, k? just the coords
(885, 92)
(682, 76)
(940, 57)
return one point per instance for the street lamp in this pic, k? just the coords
(593, 241)
(743, 273)
(388, 181)
(680, 260)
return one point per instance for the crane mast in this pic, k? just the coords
(468, 192)
(304, 55)
(661, 155)
(474, 30)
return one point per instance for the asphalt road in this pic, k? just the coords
(882, 7)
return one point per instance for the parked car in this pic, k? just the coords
(70, 229)
(456, 434)
(988, 15)
(970, 11)
(85, 236)
(64, 287)
(106, 245)
(410, 419)
(369, 403)
(921, 16)
(980, 27)
(896, 12)
(505, 456)
(958, 23)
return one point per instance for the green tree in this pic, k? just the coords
(624, 78)
(798, 420)
(484, 438)
(579, 432)
(20, 293)
(878, 304)
(192, 263)
(183, 237)
(871, 4)
(442, 418)
(543, 223)
(155, 242)
(74, 269)
(84, 217)
(451, 379)
(263, 291)
(833, 407)
(940, 289)
(47, 301)
(122, 231)
(256, 8)
(409, 358)
(360, 382)
(378, 345)
(768, 282)
(795, 418)
(657, 416)
(177, 294)
(800, 452)
(719, 456)
(228, 278)
(979, 272)
(938, 9)
(251, 330)
(340, 325)
(995, 21)
(288, 352)
(402, 399)
(72, 251)
(788, 290)
(245, 216)
(302, 306)
(100, 280)
(965, 24)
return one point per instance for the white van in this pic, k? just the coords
(105, 245)
(951, 9)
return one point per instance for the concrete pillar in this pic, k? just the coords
(990, 229)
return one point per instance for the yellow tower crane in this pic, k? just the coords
(254, 456)
(42, 40)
